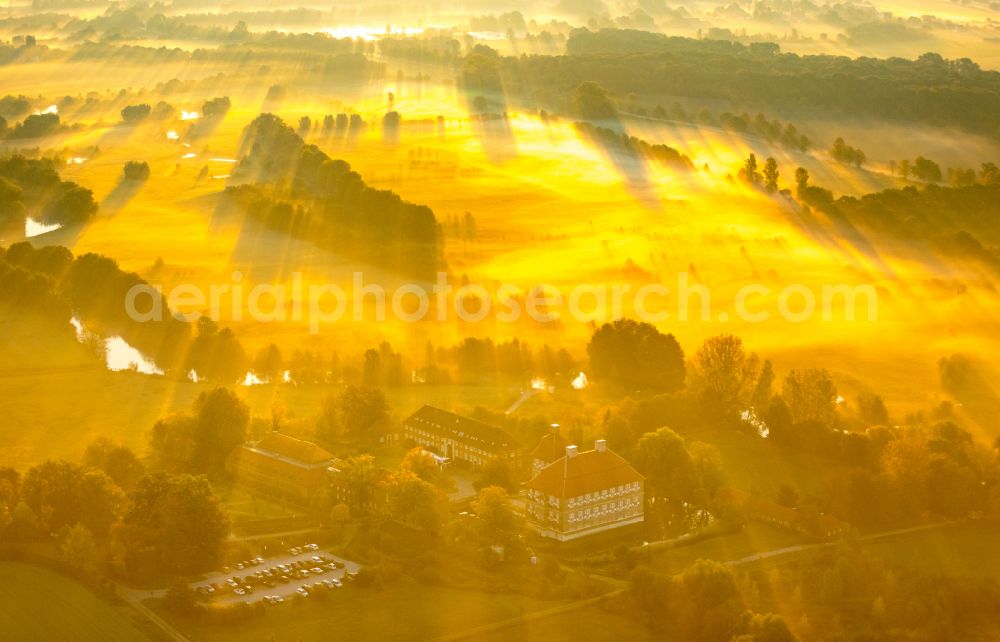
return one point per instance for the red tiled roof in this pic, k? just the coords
(550, 448)
(292, 448)
(587, 472)
(469, 431)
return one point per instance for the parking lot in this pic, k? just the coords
(296, 573)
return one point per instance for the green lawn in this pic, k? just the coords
(244, 506)
(407, 611)
(969, 549)
(593, 624)
(37, 604)
(753, 538)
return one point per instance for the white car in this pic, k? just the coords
(302, 591)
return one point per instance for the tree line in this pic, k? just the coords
(615, 141)
(305, 193)
(929, 90)
(32, 187)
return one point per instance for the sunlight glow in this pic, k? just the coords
(121, 356)
(750, 417)
(34, 228)
(252, 380)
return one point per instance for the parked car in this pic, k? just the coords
(302, 591)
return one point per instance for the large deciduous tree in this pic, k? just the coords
(63, 494)
(726, 379)
(664, 459)
(636, 355)
(811, 396)
(174, 524)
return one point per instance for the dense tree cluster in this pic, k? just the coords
(844, 153)
(725, 379)
(967, 232)
(481, 72)
(155, 525)
(772, 129)
(431, 49)
(636, 356)
(136, 113)
(135, 171)
(216, 107)
(32, 187)
(928, 90)
(97, 289)
(621, 142)
(359, 414)
(311, 196)
(50, 281)
(172, 524)
(29, 284)
(702, 603)
(12, 107)
(201, 442)
(35, 126)
(216, 354)
(593, 102)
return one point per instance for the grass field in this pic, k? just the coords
(969, 549)
(407, 611)
(585, 625)
(37, 604)
(753, 538)
(56, 414)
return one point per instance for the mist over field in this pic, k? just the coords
(576, 320)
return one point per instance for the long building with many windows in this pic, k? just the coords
(583, 493)
(282, 467)
(461, 438)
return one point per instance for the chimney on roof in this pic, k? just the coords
(571, 451)
(601, 445)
